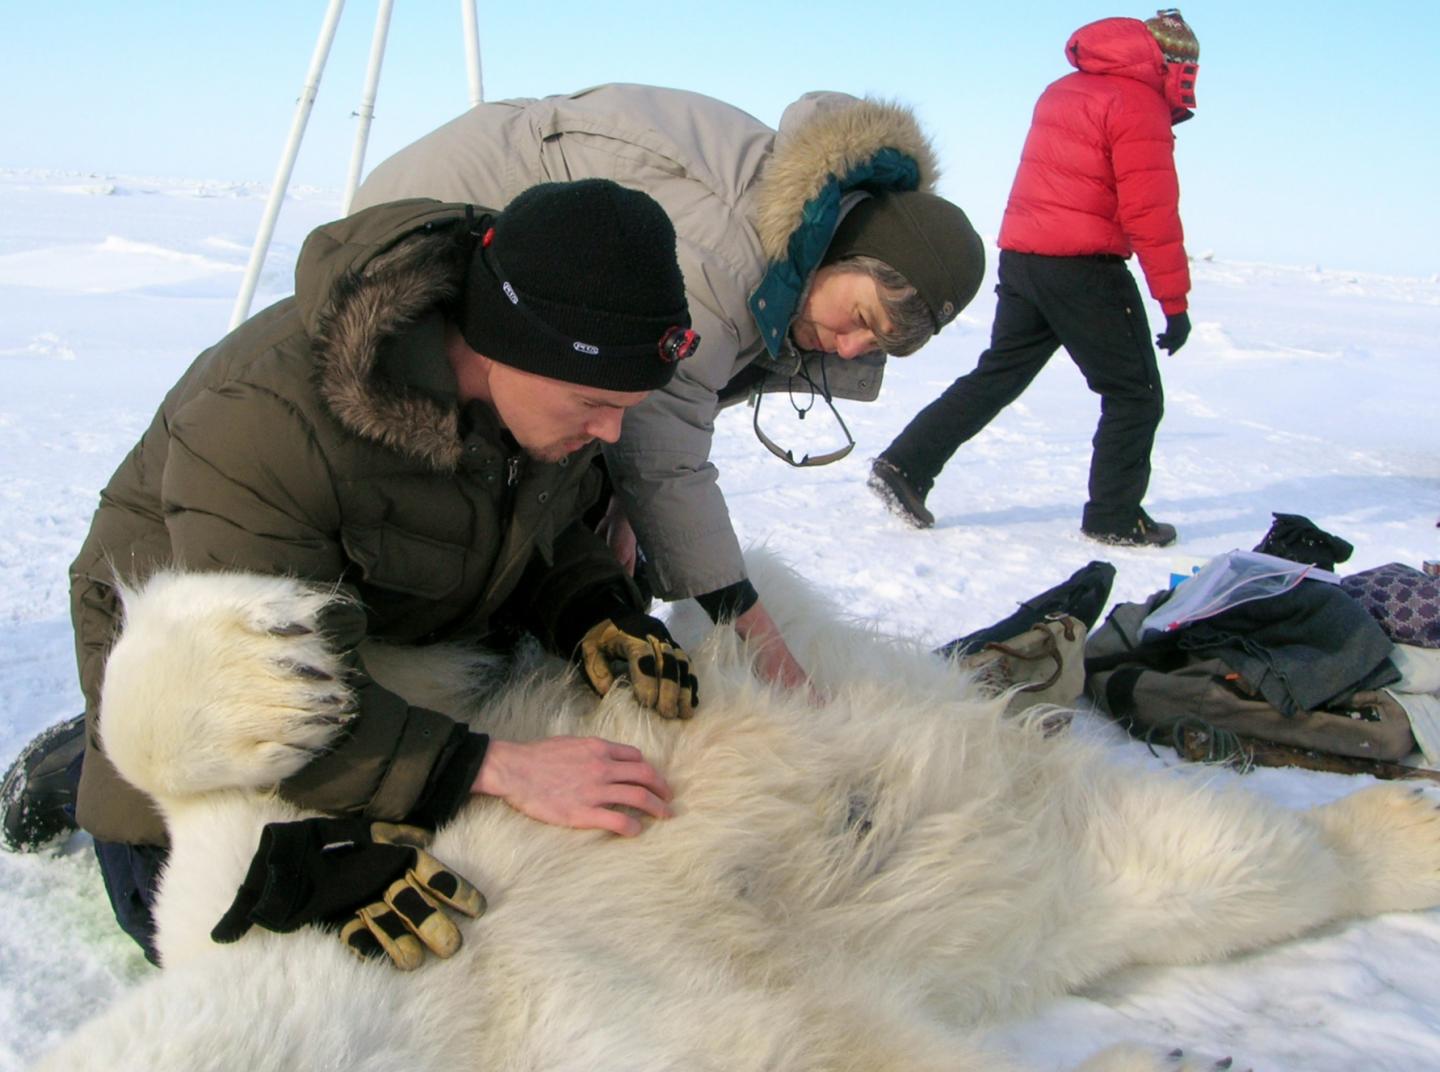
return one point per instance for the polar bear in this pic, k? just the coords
(859, 885)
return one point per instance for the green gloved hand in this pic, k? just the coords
(658, 668)
(374, 881)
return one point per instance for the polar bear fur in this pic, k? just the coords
(856, 886)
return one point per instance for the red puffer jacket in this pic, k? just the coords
(1097, 174)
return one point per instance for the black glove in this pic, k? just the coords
(1177, 330)
(1299, 539)
(375, 879)
(659, 669)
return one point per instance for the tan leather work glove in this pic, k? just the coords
(658, 668)
(374, 881)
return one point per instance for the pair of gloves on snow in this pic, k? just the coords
(375, 882)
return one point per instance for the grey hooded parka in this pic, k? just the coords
(754, 210)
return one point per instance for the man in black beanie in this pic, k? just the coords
(809, 254)
(415, 430)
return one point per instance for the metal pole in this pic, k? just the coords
(367, 103)
(472, 50)
(287, 163)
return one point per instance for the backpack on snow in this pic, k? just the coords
(1039, 651)
(1164, 693)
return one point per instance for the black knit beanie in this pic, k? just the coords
(578, 281)
(923, 237)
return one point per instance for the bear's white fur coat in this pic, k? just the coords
(858, 886)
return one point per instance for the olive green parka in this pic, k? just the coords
(324, 439)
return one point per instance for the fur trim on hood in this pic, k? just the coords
(832, 141)
(367, 304)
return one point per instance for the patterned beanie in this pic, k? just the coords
(578, 281)
(1177, 40)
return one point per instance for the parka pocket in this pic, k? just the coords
(400, 561)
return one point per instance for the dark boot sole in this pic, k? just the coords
(37, 788)
(1112, 540)
(898, 500)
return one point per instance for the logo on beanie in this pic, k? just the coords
(586, 269)
(678, 343)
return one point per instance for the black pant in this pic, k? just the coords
(132, 875)
(1091, 306)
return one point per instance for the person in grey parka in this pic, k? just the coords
(808, 254)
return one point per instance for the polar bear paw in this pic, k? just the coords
(220, 680)
(1132, 1058)
(1390, 837)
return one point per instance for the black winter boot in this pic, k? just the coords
(1144, 531)
(900, 494)
(37, 796)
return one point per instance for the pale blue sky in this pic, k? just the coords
(1315, 141)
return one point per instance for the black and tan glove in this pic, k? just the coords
(374, 881)
(658, 668)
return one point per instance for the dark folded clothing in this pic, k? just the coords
(1301, 650)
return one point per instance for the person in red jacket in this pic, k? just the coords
(1096, 183)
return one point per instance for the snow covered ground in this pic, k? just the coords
(1304, 389)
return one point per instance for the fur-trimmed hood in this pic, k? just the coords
(360, 284)
(826, 137)
(830, 149)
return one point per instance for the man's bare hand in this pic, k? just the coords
(575, 781)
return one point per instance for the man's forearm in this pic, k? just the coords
(773, 659)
